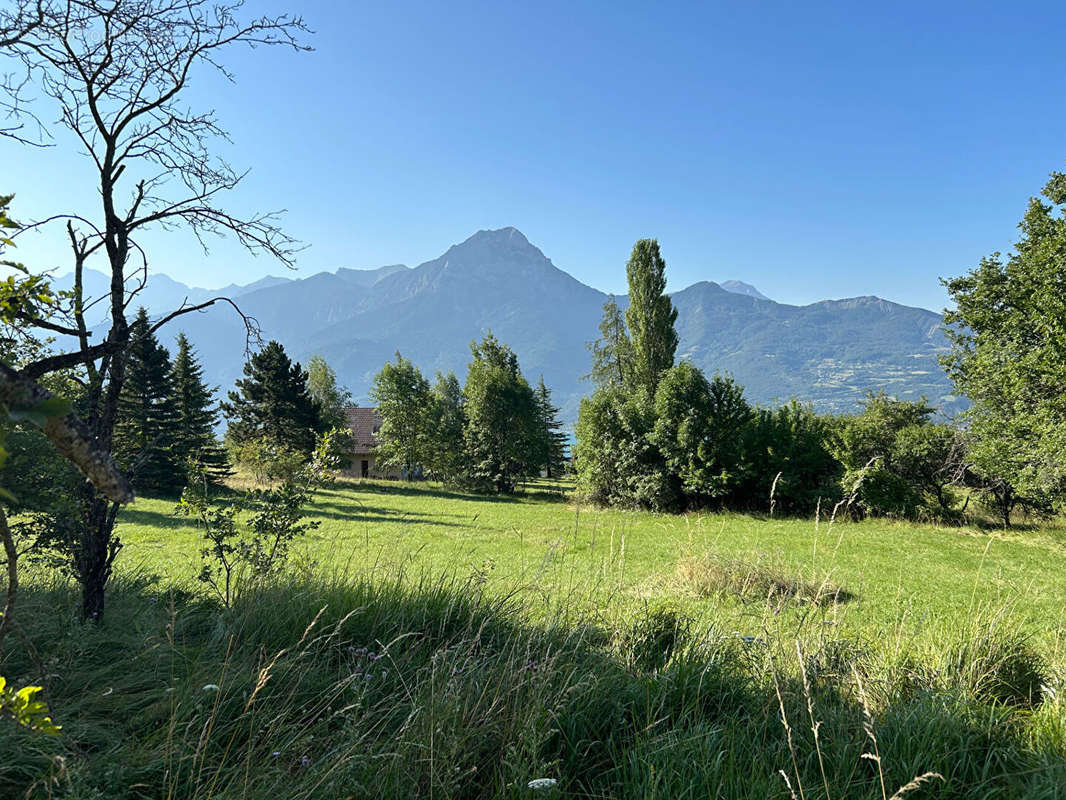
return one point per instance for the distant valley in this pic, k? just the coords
(829, 353)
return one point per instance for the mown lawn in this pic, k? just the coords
(905, 579)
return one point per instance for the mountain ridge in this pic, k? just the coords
(828, 353)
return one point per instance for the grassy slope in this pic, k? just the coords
(907, 579)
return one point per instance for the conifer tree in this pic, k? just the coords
(650, 316)
(196, 416)
(553, 440)
(273, 402)
(146, 421)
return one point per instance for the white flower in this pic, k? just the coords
(542, 783)
(211, 687)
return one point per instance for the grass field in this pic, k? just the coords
(903, 578)
(429, 643)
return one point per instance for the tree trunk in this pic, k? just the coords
(96, 553)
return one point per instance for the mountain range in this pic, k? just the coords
(829, 353)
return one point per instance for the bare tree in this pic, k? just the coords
(115, 70)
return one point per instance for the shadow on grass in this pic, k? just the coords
(327, 684)
(154, 519)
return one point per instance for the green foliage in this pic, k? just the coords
(25, 297)
(402, 396)
(265, 458)
(612, 353)
(897, 462)
(274, 518)
(501, 436)
(617, 463)
(273, 401)
(195, 416)
(552, 442)
(699, 429)
(787, 450)
(332, 399)
(1008, 336)
(25, 710)
(650, 316)
(445, 459)
(147, 423)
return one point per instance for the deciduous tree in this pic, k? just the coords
(116, 72)
(401, 394)
(501, 432)
(1008, 337)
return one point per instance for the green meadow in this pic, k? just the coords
(423, 642)
(901, 578)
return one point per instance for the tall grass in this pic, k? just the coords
(392, 685)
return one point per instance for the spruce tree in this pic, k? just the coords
(553, 440)
(650, 316)
(146, 421)
(273, 402)
(196, 416)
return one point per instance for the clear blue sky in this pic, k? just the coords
(813, 149)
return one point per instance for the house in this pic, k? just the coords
(365, 423)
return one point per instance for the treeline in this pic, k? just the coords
(486, 435)
(664, 436)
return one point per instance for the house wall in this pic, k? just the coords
(373, 471)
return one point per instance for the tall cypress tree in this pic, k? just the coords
(650, 316)
(272, 401)
(196, 416)
(553, 440)
(146, 420)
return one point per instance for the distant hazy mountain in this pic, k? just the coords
(739, 287)
(830, 353)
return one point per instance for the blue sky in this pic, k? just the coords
(815, 150)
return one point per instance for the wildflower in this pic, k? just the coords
(276, 753)
(305, 761)
(541, 783)
(210, 687)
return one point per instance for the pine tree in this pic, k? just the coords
(146, 422)
(196, 416)
(553, 440)
(273, 402)
(650, 316)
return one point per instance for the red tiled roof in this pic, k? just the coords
(364, 423)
